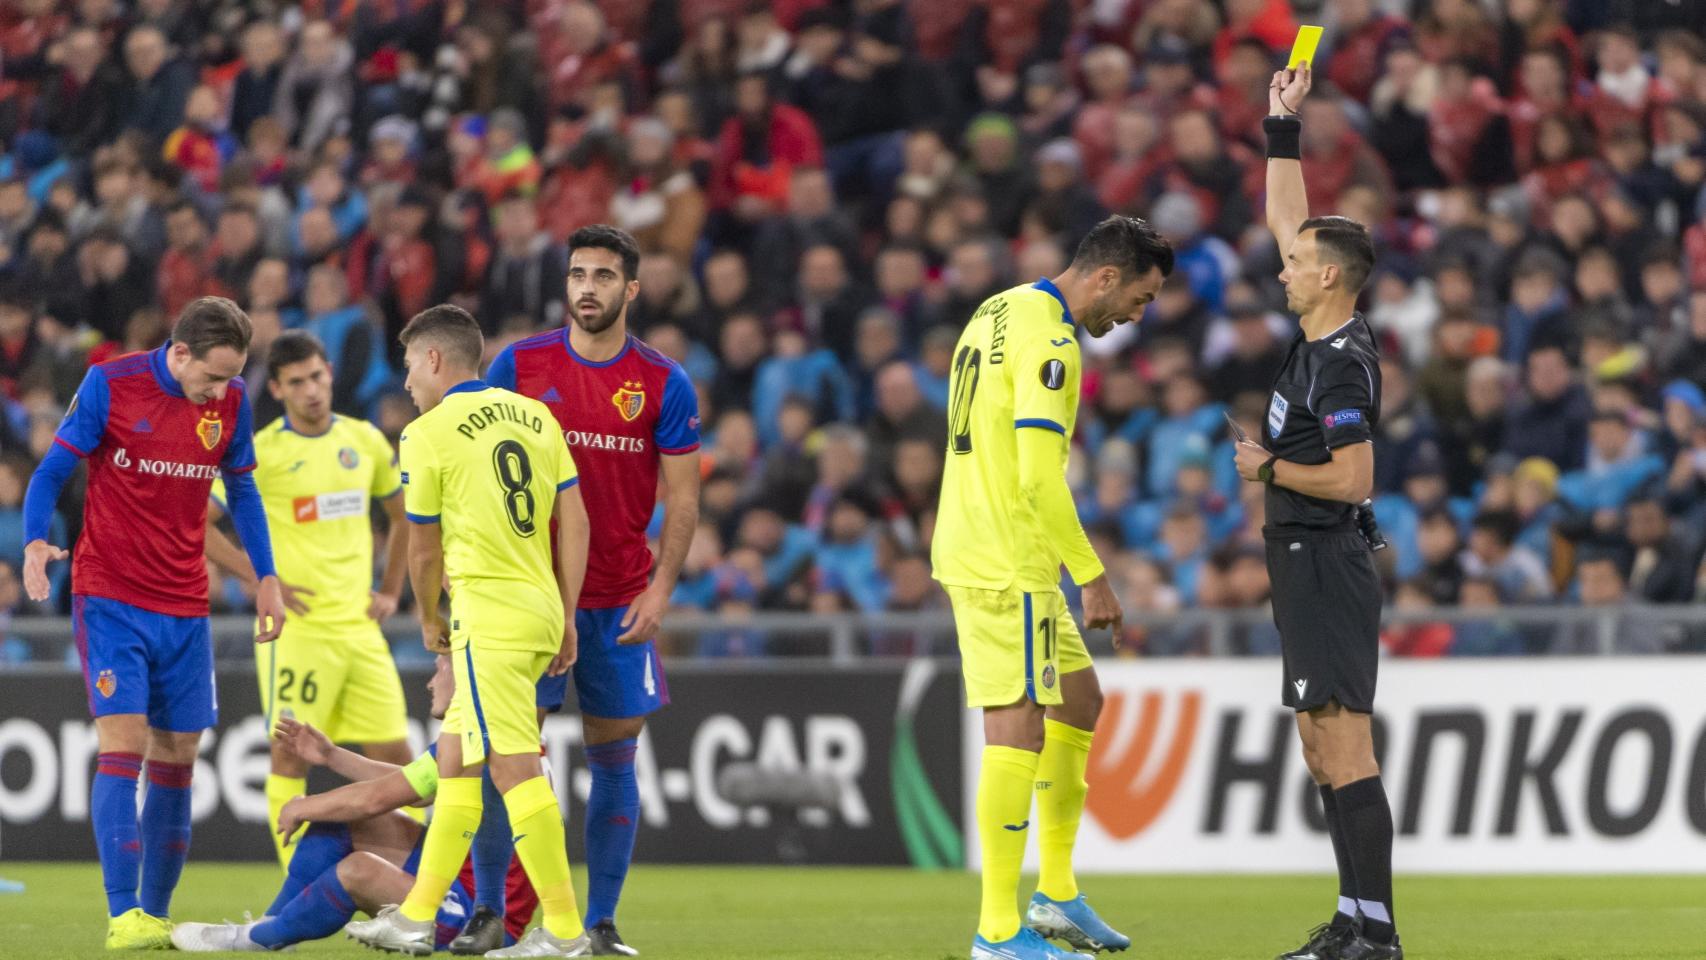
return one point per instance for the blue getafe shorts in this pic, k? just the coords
(139, 661)
(611, 680)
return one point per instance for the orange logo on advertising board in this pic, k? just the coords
(1122, 798)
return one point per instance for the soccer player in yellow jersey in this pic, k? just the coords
(1005, 526)
(319, 474)
(485, 472)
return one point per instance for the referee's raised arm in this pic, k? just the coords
(1288, 201)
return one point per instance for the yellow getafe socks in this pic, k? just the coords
(455, 817)
(538, 828)
(280, 791)
(1003, 818)
(1060, 805)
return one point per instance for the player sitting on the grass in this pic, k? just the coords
(360, 850)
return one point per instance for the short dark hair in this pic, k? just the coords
(292, 346)
(452, 329)
(1344, 243)
(602, 236)
(1128, 243)
(1502, 524)
(212, 322)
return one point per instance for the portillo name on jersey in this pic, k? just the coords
(165, 468)
(499, 412)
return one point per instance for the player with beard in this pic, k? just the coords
(1005, 527)
(631, 417)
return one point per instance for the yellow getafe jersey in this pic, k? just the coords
(1016, 367)
(487, 465)
(317, 491)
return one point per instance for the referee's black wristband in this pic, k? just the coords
(1283, 135)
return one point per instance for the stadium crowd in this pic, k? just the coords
(826, 190)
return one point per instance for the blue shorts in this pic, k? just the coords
(456, 907)
(139, 661)
(611, 679)
(453, 913)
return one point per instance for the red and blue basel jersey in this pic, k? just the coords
(153, 456)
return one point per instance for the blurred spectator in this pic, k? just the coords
(1602, 582)
(151, 97)
(901, 414)
(528, 272)
(757, 151)
(1415, 639)
(316, 91)
(1518, 574)
(1551, 421)
(1665, 557)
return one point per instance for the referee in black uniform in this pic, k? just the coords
(1317, 460)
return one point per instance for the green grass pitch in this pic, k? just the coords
(736, 913)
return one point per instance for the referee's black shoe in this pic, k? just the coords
(1363, 948)
(483, 932)
(1325, 942)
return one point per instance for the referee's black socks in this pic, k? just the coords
(1346, 914)
(1367, 821)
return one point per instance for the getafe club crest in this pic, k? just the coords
(347, 457)
(629, 400)
(210, 429)
(106, 683)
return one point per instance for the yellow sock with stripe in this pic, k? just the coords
(1060, 805)
(280, 791)
(539, 842)
(1004, 785)
(455, 817)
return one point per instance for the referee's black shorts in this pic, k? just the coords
(1326, 598)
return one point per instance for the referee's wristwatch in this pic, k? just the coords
(1265, 472)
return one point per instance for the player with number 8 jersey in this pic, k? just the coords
(485, 472)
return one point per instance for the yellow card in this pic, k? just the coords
(1303, 49)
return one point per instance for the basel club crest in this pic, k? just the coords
(209, 430)
(106, 683)
(629, 400)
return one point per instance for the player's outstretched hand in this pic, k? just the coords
(269, 610)
(568, 652)
(434, 636)
(1248, 457)
(1101, 607)
(1288, 88)
(290, 818)
(380, 606)
(303, 740)
(295, 598)
(37, 555)
(643, 617)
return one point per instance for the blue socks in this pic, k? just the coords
(112, 810)
(165, 833)
(318, 850)
(318, 911)
(493, 847)
(612, 820)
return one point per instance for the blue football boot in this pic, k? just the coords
(1024, 945)
(1073, 921)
